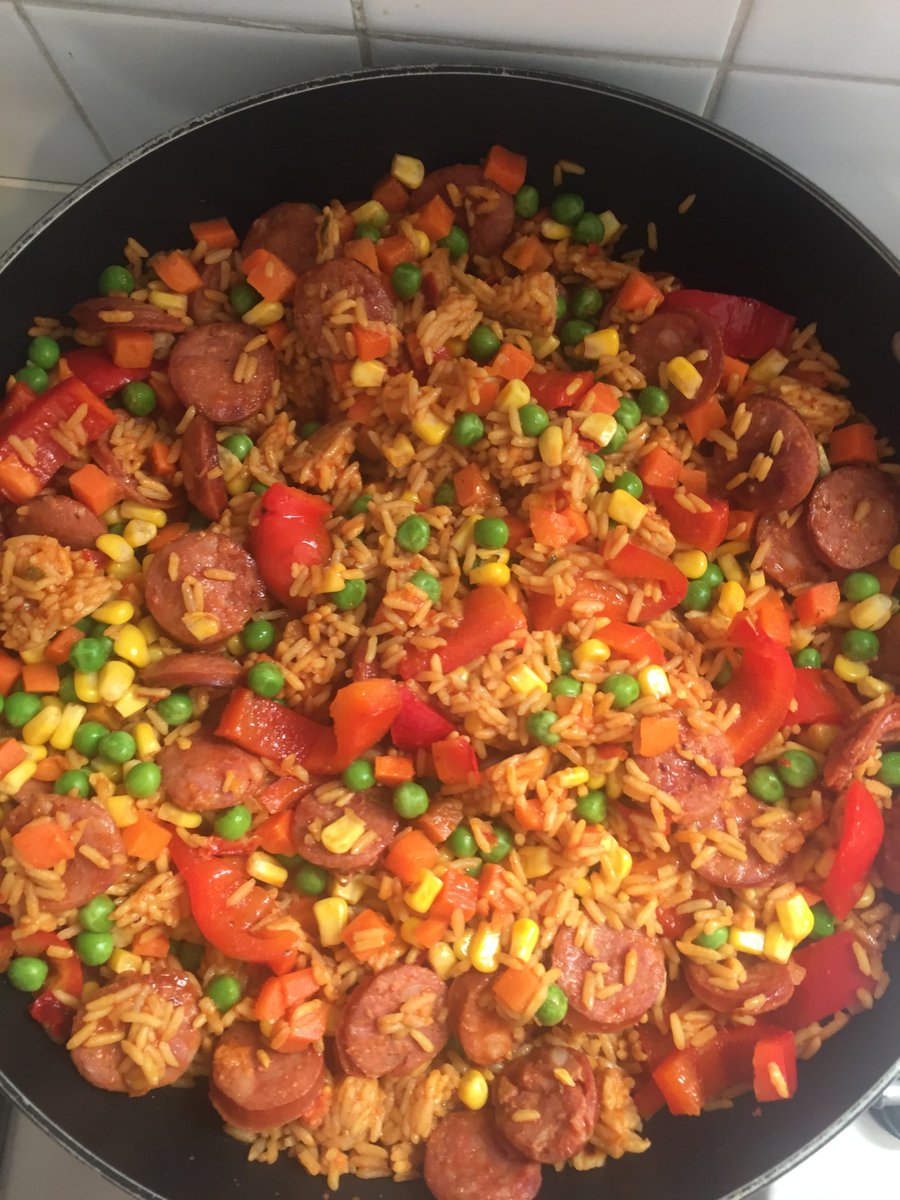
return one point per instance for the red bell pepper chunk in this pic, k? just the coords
(833, 979)
(689, 1079)
(748, 328)
(861, 836)
(418, 726)
(455, 761)
(270, 730)
(820, 697)
(633, 562)
(558, 389)
(494, 884)
(763, 685)
(631, 641)
(95, 368)
(290, 529)
(65, 976)
(775, 1066)
(705, 529)
(362, 712)
(489, 616)
(460, 891)
(648, 1099)
(604, 598)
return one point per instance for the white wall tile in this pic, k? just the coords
(41, 134)
(20, 207)
(688, 87)
(841, 37)
(137, 76)
(329, 14)
(690, 28)
(841, 135)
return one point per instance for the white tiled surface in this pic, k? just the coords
(817, 82)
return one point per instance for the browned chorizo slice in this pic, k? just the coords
(167, 1001)
(203, 365)
(556, 1084)
(209, 774)
(99, 856)
(62, 517)
(667, 335)
(856, 744)
(485, 1036)
(777, 458)
(773, 981)
(393, 1022)
(789, 555)
(203, 480)
(888, 861)
(192, 669)
(465, 1159)
(852, 517)
(103, 313)
(319, 290)
(691, 773)
(289, 230)
(628, 965)
(202, 588)
(201, 308)
(255, 1087)
(739, 817)
(488, 217)
(313, 815)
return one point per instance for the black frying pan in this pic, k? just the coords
(756, 228)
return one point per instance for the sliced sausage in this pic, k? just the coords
(105, 457)
(319, 288)
(209, 774)
(775, 981)
(312, 815)
(195, 563)
(202, 369)
(485, 1036)
(91, 829)
(856, 744)
(789, 557)
(372, 1037)
(103, 313)
(69, 521)
(776, 435)
(169, 1001)
(192, 669)
(488, 220)
(677, 773)
(288, 230)
(557, 1084)
(201, 309)
(736, 816)
(465, 1159)
(888, 861)
(852, 517)
(203, 480)
(667, 335)
(255, 1087)
(610, 949)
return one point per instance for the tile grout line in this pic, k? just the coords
(135, 10)
(737, 28)
(54, 187)
(361, 25)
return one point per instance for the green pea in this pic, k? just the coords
(491, 533)
(351, 595)
(88, 737)
(565, 685)
(461, 842)
(540, 726)
(597, 464)
(224, 991)
(591, 807)
(429, 584)
(567, 208)
(258, 488)
(468, 428)
(66, 689)
(94, 949)
(359, 776)
(573, 332)
(232, 823)
(712, 941)
(587, 302)
(308, 428)
(239, 445)
(119, 527)
(258, 635)
(73, 781)
(139, 398)
(724, 675)
(653, 402)
(243, 297)
(34, 377)
(410, 800)
(630, 483)
(143, 780)
(823, 922)
(889, 771)
(406, 279)
(115, 279)
(796, 768)
(526, 201)
(365, 229)
(808, 657)
(860, 645)
(189, 954)
(360, 505)
(618, 439)
(713, 576)
(94, 916)
(765, 784)
(566, 661)
(265, 679)
(43, 352)
(475, 870)
(21, 707)
(311, 880)
(117, 747)
(91, 653)
(483, 344)
(860, 585)
(554, 1007)
(456, 243)
(534, 419)
(413, 534)
(628, 414)
(562, 306)
(27, 974)
(589, 229)
(698, 597)
(176, 709)
(503, 843)
(445, 493)
(623, 688)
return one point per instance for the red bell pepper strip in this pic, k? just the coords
(604, 598)
(820, 697)
(489, 616)
(633, 562)
(861, 836)
(748, 328)
(95, 368)
(418, 726)
(455, 761)
(65, 976)
(631, 642)
(36, 424)
(763, 685)
(270, 730)
(705, 529)
(689, 1079)
(362, 712)
(290, 529)
(833, 979)
(558, 389)
(775, 1066)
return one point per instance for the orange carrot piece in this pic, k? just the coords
(637, 292)
(488, 390)
(852, 444)
(774, 619)
(277, 332)
(558, 529)
(511, 362)
(695, 480)
(391, 194)
(435, 218)
(177, 272)
(93, 487)
(522, 252)
(159, 457)
(146, 838)
(167, 534)
(410, 855)
(50, 769)
(367, 935)
(659, 468)
(270, 275)
(656, 735)
(42, 845)
(276, 833)
(57, 650)
(602, 398)
(392, 769)
(472, 489)
(17, 483)
(362, 250)
(216, 233)
(704, 419)
(516, 988)
(10, 670)
(130, 347)
(505, 168)
(40, 677)
(151, 943)
(741, 524)
(734, 372)
(11, 754)
(392, 251)
(817, 604)
(371, 343)
(429, 932)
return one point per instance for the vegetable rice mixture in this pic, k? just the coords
(449, 682)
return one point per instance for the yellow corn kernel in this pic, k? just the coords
(894, 558)
(571, 777)
(114, 612)
(515, 394)
(624, 508)
(462, 945)
(122, 962)
(731, 568)
(777, 946)
(732, 598)
(400, 453)
(149, 629)
(456, 346)
(653, 681)
(146, 740)
(867, 898)
(351, 888)
(615, 865)
(122, 809)
(821, 737)
(341, 835)
(332, 580)
(524, 938)
(114, 680)
(86, 686)
(554, 231)
(870, 687)
(747, 941)
(132, 646)
(604, 343)
(524, 680)
(431, 429)
(421, 897)
(683, 375)
(592, 653)
(39, 730)
(543, 346)
(535, 861)
(264, 313)
(132, 510)
(597, 779)
(111, 770)
(441, 959)
(264, 867)
(130, 703)
(139, 533)
(171, 302)
(767, 368)
(409, 928)
(371, 213)
(240, 484)
(611, 225)
(34, 654)
(795, 917)
(692, 563)
(473, 1090)
(495, 573)
(421, 242)
(871, 613)
(16, 779)
(733, 547)
(179, 816)
(331, 916)
(408, 171)
(550, 446)
(484, 948)
(462, 539)
(756, 581)
(848, 670)
(124, 570)
(114, 546)
(112, 516)
(599, 427)
(69, 719)
(367, 374)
